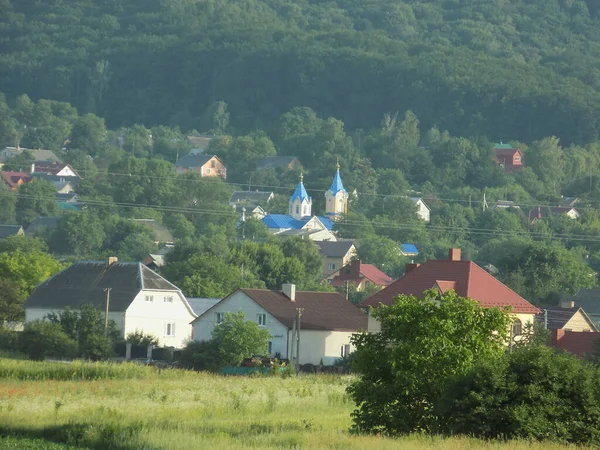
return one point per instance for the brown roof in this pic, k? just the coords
(52, 168)
(13, 178)
(356, 271)
(469, 280)
(505, 152)
(327, 311)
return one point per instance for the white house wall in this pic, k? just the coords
(152, 317)
(326, 346)
(238, 301)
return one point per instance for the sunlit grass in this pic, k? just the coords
(139, 407)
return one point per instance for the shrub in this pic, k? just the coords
(9, 340)
(96, 347)
(140, 339)
(533, 393)
(41, 339)
(200, 356)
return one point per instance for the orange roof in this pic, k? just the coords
(13, 179)
(465, 277)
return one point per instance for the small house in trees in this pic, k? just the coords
(423, 211)
(251, 198)
(11, 230)
(38, 155)
(409, 250)
(589, 301)
(539, 212)
(511, 159)
(279, 162)
(204, 165)
(361, 276)
(565, 316)
(160, 233)
(15, 179)
(55, 172)
(336, 254)
(466, 278)
(326, 321)
(138, 298)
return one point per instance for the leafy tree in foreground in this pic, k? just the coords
(423, 344)
(41, 339)
(533, 393)
(238, 338)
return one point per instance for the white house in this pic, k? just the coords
(327, 321)
(138, 298)
(423, 211)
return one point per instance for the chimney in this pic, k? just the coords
(454, 254)
(567, 304)
(111, 260)
(409, 267)
(557, 335)
(33, 168)
(290, 291)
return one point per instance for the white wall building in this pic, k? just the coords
(139, 299)
(327, 323)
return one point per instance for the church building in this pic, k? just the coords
(301, 222)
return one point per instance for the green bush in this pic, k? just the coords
(201, 356)
(533, 393)
(9, 340)
(41, 339)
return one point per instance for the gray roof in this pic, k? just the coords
(193, 160)
(49, 223)
(250, 197)
(331, 249)
(9, 230)
(558, 317)
(159, 231)
(58, 185)
(38, 154)
(83, 282)
(270, 162)
(588, 299)
(71, 197)
(201, 305)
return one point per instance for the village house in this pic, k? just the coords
(251, 203)
(327, 321)
(204, 165)
(336, 254)
(15, 179)
(423, 211)
(11, 230)
(511, 159)
(466, 278)
(588, 300)
(566, 316)
(138, 299)
(275, 162)
(409, 250)
(539, 212)
(55, 172)
(361, 276)
(38, 155)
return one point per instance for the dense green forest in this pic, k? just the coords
(410, 97)
(502, 69)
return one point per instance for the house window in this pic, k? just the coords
(208, 171)
(270, 347)
(345, 350)
(169, 299)
(170, 329)
(220, 318)
(367, 283)
(517, 328)
(328, 281)
(297, 209)
(149, 298)
(262, 319)
(213, 163)
(331, 266)
(517, 158)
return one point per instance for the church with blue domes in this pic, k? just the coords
(300, 220)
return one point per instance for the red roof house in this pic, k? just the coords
(360, 275)
(15, 179)
(579, 343)
(510, 158)
(466, 278)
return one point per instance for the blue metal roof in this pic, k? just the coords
(409, 248)
(336, 184)
(300, 193)
(277, 221)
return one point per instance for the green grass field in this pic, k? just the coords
(101, 406)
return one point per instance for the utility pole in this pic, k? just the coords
(292, 356)
(545, 319)
(107, 290)
(243, 222)
(347, 281)
(298, 317)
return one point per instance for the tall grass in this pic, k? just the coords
(129, 407)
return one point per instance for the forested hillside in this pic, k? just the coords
(496, 68)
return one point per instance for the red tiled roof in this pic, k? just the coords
(327, 311)
(444, 286)
(356, 271)
(12, 178)
(579, 343)
(469, 280)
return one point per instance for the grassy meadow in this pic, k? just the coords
(101, 406)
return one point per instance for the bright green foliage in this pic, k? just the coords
(238, 338)
(41, 339)
(139, 338)
(532, 393)
(422, 345)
